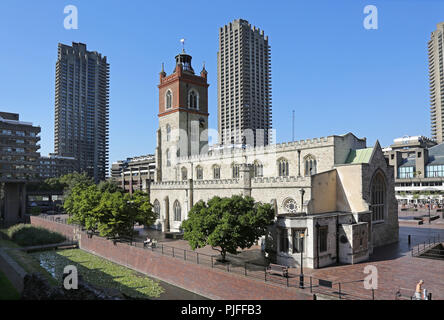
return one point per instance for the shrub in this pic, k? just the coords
(28, 235)
(35, 211)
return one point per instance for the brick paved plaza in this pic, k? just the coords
(396, 267)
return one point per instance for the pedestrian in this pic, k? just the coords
(418, 290)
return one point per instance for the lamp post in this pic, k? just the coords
(301, 247)
(429, 209)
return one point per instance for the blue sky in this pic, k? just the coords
(337, 76)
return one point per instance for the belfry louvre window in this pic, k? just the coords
(378, 197)
(193, 100)
(169, 99)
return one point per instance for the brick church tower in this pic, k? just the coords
(183, 116)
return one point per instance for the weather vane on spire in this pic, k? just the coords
(183, 44)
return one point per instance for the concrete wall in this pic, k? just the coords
(12, 270)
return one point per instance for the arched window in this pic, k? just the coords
(290, 205)
(235, 168)
(168, 99)
(378, 197)
(216, 172)
(168, 132)
(283, 167)
(310, 165)
(168, 158)
(177, 211)
(199, 173)
(184, 172)
(258, 169)
(156, 207)
(193, 100)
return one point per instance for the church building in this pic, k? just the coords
(333, 196)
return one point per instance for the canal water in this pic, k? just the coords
(53, 263)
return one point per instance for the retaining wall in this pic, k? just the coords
(214, 284)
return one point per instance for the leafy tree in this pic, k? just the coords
(81, 206)
(109, 186)
(227, 223)
(71, 180)
(140, 201)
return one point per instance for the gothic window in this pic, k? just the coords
(235, 168)
(310, 165)
(216, 172)
(298, 240)
(156, 206)
(283, 240)
(258, 169)
(168, 158)
(177, 211)
(193, 100)
(283, 167)
(168, 132)
(378, 197)
(168, 99)
(290, 205)
(199, 173)
(184, 173)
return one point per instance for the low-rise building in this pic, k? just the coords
(18, 164)
(54, 166)
(134, 173)
(419, 169)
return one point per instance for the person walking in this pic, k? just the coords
(418, 290)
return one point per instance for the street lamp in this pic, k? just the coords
(429, 209)
(301, 247)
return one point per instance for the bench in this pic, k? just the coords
(277, 269)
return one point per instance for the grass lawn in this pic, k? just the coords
(7, 291)
(99, 272)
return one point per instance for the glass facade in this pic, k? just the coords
(435, 171)
(405, 172)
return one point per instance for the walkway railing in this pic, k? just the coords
(350, 290)
(426, 247)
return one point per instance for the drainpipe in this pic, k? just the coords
(317, 244)
(337, 239)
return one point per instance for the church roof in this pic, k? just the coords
(359, 156)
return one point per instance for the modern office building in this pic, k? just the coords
(135, 173)
(18, 164)
(244, 85)
(54, 166)
(418, 169)
(82, 108)
(436, 78)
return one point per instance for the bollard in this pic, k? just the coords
(430, 296)
(245, 266)
(185, 255)
(409, 239)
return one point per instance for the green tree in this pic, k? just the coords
(81, 205)
(109, 186)
(140, 202)
(227, 223)
(75, 179)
